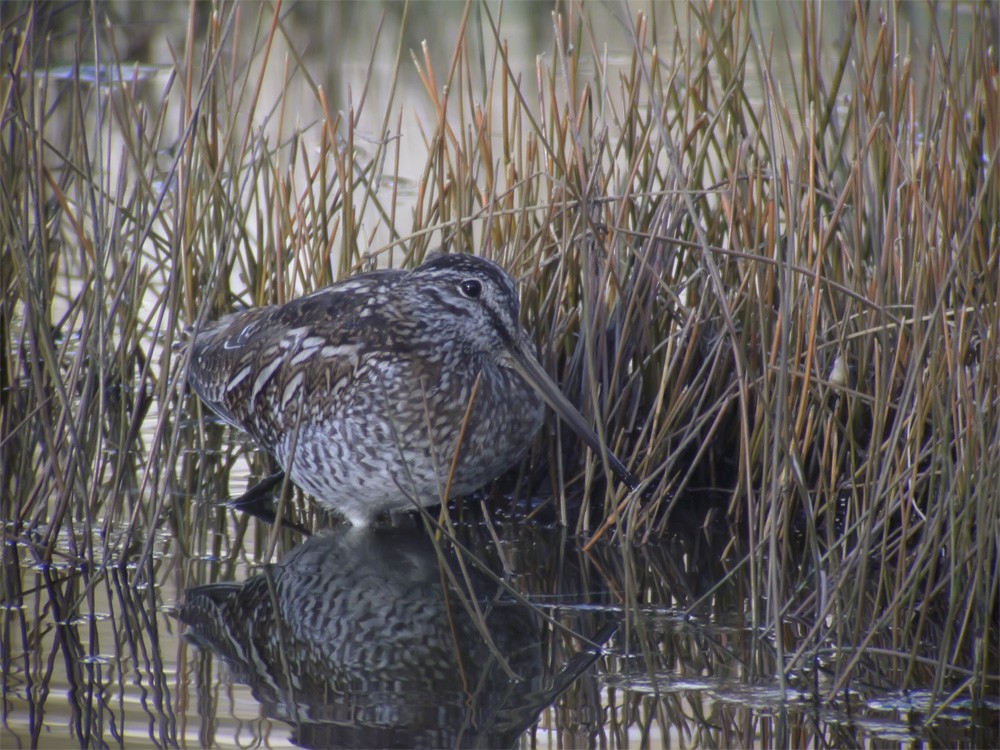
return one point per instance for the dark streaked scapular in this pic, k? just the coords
(361, 389)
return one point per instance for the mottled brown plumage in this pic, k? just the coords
(360, 390)
(359, 638)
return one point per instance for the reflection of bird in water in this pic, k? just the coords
(365, 390)
(357, 641)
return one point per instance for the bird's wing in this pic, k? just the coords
(254, 368)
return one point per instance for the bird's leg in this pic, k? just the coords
(255, 502)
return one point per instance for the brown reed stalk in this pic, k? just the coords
(778, 292)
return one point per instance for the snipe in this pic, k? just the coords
(361, 390)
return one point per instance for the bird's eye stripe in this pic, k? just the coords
(442, 300)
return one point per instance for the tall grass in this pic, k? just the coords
(781, 291)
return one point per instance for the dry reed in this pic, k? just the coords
(782, 293)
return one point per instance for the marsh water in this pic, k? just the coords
(374, 638)
(215, 629)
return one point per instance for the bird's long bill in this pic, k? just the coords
(528, 368)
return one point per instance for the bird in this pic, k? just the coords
(376, 637)
(388, 389)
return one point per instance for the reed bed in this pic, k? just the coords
(782, 295)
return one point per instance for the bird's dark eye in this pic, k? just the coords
(470, 288)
